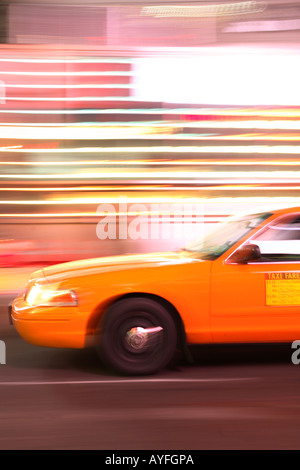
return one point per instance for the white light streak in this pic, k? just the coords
(252, 149)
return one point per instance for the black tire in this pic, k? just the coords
(137, 337)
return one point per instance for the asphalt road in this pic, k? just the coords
(229, 398)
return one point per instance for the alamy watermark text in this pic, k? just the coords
(154, 221)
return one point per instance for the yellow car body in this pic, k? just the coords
(117, 302)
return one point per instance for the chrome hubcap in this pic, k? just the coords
(138, 338)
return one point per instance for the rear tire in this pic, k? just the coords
(138, 336)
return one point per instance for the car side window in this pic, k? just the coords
(280, 241)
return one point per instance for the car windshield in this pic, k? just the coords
(226, 235)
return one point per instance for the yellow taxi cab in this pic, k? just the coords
(240, 285)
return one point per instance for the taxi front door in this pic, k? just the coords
(256, 302)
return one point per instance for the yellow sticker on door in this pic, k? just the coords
(283, 289)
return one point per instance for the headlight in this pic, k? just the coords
(44, 296)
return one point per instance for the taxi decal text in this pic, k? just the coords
(283, 289)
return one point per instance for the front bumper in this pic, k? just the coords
(59, 327)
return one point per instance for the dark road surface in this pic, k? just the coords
(230, 398)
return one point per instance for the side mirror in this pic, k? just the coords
(245, 254)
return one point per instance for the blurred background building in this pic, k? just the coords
(144, 23)
(178, 103)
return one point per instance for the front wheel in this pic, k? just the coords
(137, 337)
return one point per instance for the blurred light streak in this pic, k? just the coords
(249, 137)
(204, 11)
(84, 111)
(10, 147)
(110, 73)
(150, 200)
(218, 208)
(287, 112)
(272, 114)
(172, 163)
(64, 86)
(138, 132)
(202, 124)
(278, 176)
(158, 162)
(85, 188)
(90, 60)
(253, 149)
(104, 200)
(257, 124)
(66, 99)
(213, 201)
(75, 201)
(96, 133)
(266, 25)
(207, 219)
(155, 187)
